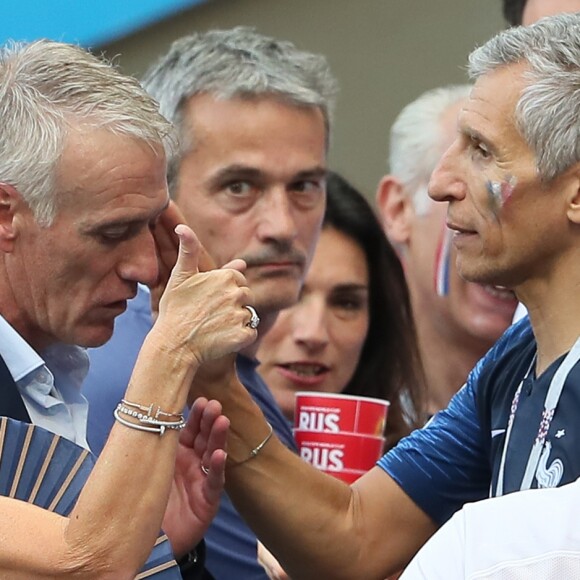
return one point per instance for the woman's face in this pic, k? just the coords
(316, 344)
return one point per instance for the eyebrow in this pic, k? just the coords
(350, 287)
(314, 173)
(252, 173)
(124, 221)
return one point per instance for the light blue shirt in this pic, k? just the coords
(60, 409)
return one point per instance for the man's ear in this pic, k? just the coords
(395, 208)
(9, 201)
(574, 200)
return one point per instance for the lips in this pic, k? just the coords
(306, 369)
(500, 292)
(304, 373)
(458, 229)
(118, 306)
(121, 301)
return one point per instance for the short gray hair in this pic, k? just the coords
(548, 110)
(416, 140)
(237, 63)
(46, 88)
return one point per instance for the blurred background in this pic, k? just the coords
(383, 52)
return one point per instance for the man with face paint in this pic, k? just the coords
(457, 321)
(527, 534)
(514, 425)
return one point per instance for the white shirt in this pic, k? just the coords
(49, 385)
(527, 535)
(519, 313)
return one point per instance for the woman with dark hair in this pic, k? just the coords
(352, 330)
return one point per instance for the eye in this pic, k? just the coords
(307, 192)
(348, 304)
(239, 188)
(479, 149)
(115, 234)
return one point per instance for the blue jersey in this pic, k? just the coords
(231, 547)
(456, 457)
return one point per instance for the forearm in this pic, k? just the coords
(293, 509)
(314, 524)
(288, 503)
(139, 463)
(117, 518)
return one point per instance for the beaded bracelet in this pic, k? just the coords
(149, 410)
(144, 420)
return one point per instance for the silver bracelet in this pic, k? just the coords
(149, 410)
(143, 418)
(160, 428)
(256, 450)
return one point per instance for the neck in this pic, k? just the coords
(447, 361)
(554, 311)
(15, 316)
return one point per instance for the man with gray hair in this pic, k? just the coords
(457, 321)
(511, 181)
(83, 153)
(253, 116)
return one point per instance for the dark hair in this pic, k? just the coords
(389, 366)
(513, 11)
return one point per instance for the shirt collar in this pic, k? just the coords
(20, 358)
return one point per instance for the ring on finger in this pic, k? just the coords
(254, 320)
(204, 469)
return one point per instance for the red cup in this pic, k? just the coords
(338, 413)
(339, 452)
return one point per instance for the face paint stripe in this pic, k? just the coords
(443, 262)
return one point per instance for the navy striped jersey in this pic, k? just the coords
(456, 457)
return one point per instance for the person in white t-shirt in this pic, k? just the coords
(530, 535)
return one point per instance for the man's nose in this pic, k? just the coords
(446, 182)
(140, 262)
(277, 218)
